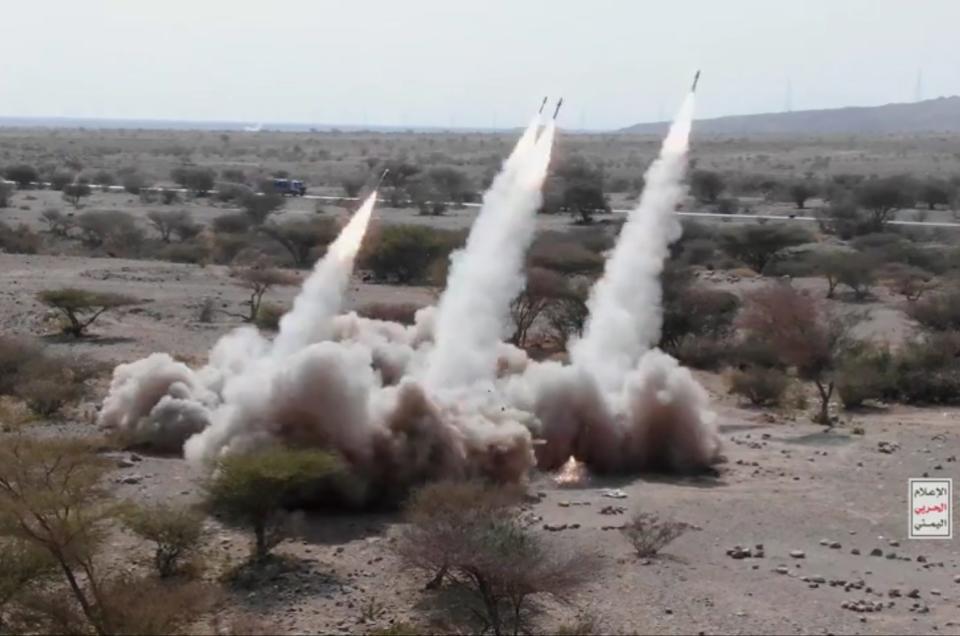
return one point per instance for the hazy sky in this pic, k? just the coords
(465, 62)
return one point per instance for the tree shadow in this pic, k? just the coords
(290, 578)
(341, 526)
(92, 339)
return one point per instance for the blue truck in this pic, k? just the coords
(289, 187)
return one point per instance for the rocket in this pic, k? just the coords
(542, 104)
(557, 111)
(380, 180)
(696, 78)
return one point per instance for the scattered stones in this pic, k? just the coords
(894, 543)
(914, 593)
(124, 463)
(956, 579)
(130, 479)
(739, 552)
(876, 552)
(798, 554)
(612, 510)
(894, 593)
(782, 569)
(555, 528)
(887, 447)
(862, 605)
(855, 551)
(835, 545)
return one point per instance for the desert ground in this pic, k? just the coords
(781, 533)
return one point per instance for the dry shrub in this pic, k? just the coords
(150, 606)
(269, 315)
(192, 252)
(564, 256)
(47, 396)
(648, 534)
(402, 313)
(45, 383)
(245, 624)
(763, 387)
(19, 240)
(940, 312)
(582, 625)
(15, 353)
(701, 352)
(465, 532)
(176, 533)
(926, 371)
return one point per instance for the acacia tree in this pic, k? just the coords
(883, 197)
(169, 222)
(259, 279)
(543, 287)
(52, 499)
(800, 191)
(758, 245)
(301, 236)
(253, 489)
(259, 206)
(802, 335)
(81, 307)
(852, 269)
(73, 192)
(706, 185)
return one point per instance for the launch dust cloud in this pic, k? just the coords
(446, 397)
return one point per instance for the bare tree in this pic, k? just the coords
(468, 534)
(259, 279)
(543, 287)
(169, 222)
(802, 334)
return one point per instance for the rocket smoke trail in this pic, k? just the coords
(322, 294)
(625, 310)
(489, 271)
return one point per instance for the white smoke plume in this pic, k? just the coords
(322, 294)
(625, 313)
(489, 271)
(446, 397)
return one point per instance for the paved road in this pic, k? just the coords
(708, 215)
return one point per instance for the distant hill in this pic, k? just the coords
(929, 116)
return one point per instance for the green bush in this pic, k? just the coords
(404, 253)
(938, 312)
(269, 315)
(701, 352)
(254, 490)
(865, 373)
(176, 533)
(927, 371)
(763, 387)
